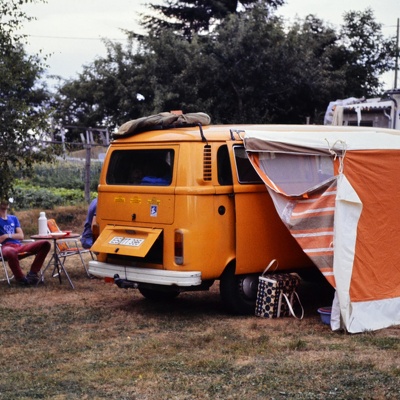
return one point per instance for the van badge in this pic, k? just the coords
(153, 210)
(119, 199)
(154, 201)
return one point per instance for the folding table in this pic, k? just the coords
(55, 258)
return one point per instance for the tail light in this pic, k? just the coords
(178, 247)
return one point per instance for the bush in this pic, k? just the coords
(56, 184)
(64, 174)
(29, 196)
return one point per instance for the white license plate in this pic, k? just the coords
(124, 241)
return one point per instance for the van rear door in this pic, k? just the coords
(122, 240)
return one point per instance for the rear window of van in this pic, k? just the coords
(141, 167)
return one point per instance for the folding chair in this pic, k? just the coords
(67, 247)
(3, 259)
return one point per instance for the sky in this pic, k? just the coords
(71, 31)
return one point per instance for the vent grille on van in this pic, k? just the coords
(207, 163)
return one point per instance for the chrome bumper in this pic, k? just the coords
(145, 275)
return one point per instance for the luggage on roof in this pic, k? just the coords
(164, 120)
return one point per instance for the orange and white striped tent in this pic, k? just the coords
(337, 189)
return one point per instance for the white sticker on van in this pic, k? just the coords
(153, 210)
(133, 242)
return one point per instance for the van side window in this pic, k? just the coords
(141, 167)
(245, 171)
(224, 166)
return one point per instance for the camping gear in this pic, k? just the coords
(336, 190)
(276, 294)
(164, 120)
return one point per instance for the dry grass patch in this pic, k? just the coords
(101, 342)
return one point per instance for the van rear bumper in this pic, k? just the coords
(146, 275)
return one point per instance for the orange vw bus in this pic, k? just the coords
(180, 206)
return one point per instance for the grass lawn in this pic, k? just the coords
(102, 342)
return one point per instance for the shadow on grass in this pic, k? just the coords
(208, 303)
(201, 304)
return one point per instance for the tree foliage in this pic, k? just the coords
(107, 92)
(251, 68)
(21, 99)
(188, 17)
(368, 54)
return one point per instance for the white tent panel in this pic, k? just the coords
(347, 214)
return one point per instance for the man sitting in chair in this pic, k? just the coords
(11, 235)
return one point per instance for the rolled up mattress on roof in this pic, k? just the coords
(164, 120)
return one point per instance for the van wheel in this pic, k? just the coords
(158, 295)
(239, 292)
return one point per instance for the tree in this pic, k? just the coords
(245, 63)
(311, 74)
(108, 92)
(250, 69)
(22, 99)
(186, 17)
(247, 70)
(367, 54)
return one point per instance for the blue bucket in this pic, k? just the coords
(325, 313)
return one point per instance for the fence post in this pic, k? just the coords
(88, 147)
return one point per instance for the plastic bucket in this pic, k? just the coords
(325, 313)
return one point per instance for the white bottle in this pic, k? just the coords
(42, 223)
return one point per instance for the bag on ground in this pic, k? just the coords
(277, 296)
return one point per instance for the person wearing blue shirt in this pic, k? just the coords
(11, 235)
(87, 235)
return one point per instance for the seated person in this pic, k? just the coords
(87, 234)
(158, 173)
(11, 235)
(136, 174)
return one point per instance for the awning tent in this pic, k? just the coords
(338, 192)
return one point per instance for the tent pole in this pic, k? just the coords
(397, 55)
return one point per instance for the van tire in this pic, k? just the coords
(158, 295)
(238, 292)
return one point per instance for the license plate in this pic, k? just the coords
(126, 241)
